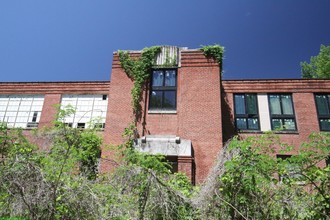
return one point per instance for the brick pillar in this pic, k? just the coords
(186, 166)
(49, 111)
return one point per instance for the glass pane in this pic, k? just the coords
(239, 104)
(251, 104)
(277, 124)
(169, 100)
(322, 105)
(241, 123)
(157, 78)
(325, 124)
(156, 100)
(275, 106)
(289, 124)
(287, 105)
(170, 77)
(253, 124)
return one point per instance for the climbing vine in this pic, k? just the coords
(139, 71)
(215, 51)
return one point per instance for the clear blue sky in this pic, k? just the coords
(74, 40)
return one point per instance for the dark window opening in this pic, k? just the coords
(68, 125)
(281, 112)
(104, 97)
(99, 126)
(246, 112)
(292, 170)
(173, 162)
(323, 111)
(34, 117)
(32, 125)
(81, 125)
(163, 90)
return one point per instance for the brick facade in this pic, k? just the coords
(302, 91)
(204, 115)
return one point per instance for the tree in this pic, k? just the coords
(319, 66)
(247, 181)
(254, 184)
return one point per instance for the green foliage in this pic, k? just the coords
(131, 156)
(139, 71)
(62, 183)
(251, 188)
(319, 66)
(214, 51)
(181, 183)
(14, 144)
(170, 62)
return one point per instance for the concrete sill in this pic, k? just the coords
(286, 132)
(161, 111)
(262, 132)
(250, 131)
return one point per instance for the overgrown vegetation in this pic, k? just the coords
(247, 182)
(254, 184)
(138, 70)
(214, 51)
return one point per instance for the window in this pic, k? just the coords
(163, 90)
(81, 125)
(246, 112)
(281, 112)
(90, 110)
(68, 125)
(323, 111)
(290, 169)
(99, 126)
(21, 111)
(173, 162)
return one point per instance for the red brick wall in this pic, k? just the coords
(48, 113)
(198, 116)
(52, 92)
(199, 109)
(303, 101)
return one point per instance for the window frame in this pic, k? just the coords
(294, 171)
(96, 111)
(25, 113)
(163, 89)
(319, 117)
(246, 115)
(282, 116)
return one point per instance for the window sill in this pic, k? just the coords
(262, 132)
(286, 132)
(161, 111)
(250, 131)
(28, 129)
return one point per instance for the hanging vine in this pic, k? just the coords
(139, 71)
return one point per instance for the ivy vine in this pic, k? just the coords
(215, 51)
(139, 71)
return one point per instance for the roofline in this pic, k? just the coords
(289, 79)
(46, 82)
(182, 49)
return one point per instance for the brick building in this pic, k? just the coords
(188, 111)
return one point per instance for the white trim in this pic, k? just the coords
(263, 108)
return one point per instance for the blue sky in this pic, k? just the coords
(74, 40)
